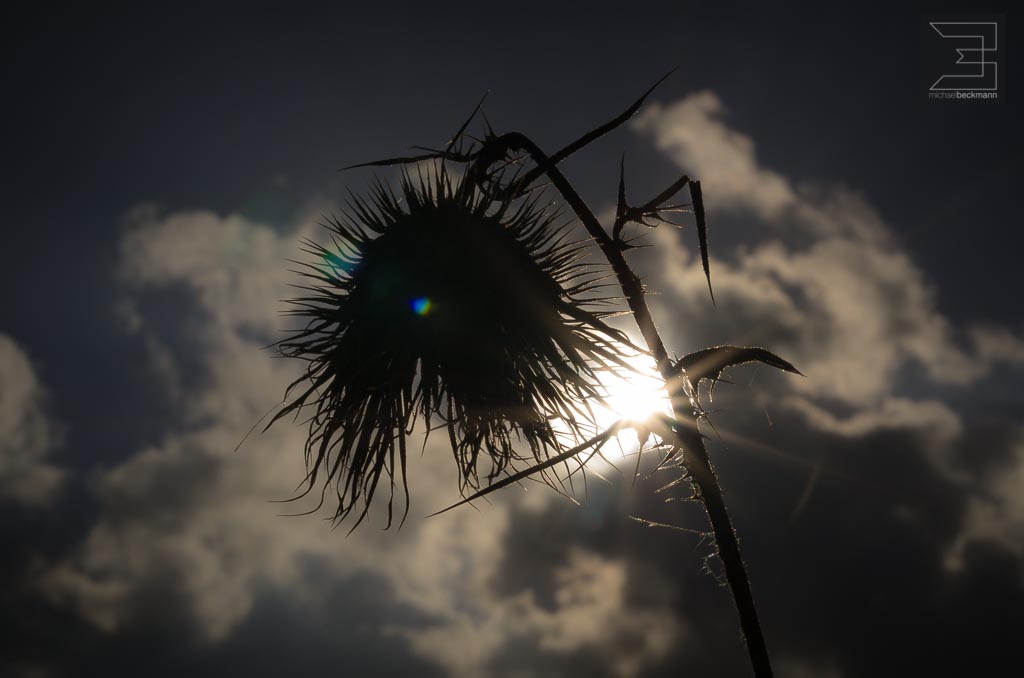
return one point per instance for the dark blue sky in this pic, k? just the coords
(249, 112)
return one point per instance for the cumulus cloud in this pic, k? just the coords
(935, 419)
(828, 286)
(996, 512)
(190, 515)
(830, 289)
(998, 344)
(692, 134)
(27, 434)
(590, 612)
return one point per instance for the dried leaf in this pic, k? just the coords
(709, 363)
(702, 231)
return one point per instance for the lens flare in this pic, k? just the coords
(421, 305)
(636, 397)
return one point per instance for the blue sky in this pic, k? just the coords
(163, 165)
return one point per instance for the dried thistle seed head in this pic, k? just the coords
(448, 303)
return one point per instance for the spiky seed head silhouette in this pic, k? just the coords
(446, 302)
(464, 301)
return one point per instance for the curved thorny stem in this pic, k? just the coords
(687, 411)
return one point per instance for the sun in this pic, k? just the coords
(633, 396)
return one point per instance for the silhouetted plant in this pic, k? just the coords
(449, 302)
(463, 300)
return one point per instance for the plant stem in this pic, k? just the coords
(684, 405)
(698, 464)
(688, 435)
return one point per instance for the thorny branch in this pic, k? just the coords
(684, 429)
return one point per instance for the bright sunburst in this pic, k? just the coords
(633, 396)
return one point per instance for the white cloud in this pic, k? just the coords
(692, 134)
(830, 289)
(932, 417)
(996, 513)
(997, 344)
(236, 268)
(192, 515)
(590, 612)
(27, 434)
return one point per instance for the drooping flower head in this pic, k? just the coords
(443, 302)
